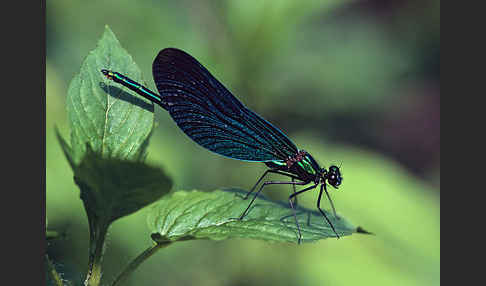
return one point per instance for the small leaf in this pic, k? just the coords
(112, 188)
(186, 215)
(113, 120)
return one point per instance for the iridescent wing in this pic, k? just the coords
(210, 115)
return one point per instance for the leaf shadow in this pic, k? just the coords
(297, 213)
(286, 220)
(299, 210)
(242, 193)
(119, 93)
(304, 215)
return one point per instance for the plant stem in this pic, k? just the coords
(56, 278)
(137, 261)
(96, 246)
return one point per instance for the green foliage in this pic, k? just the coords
(110, 130)
(297, 65)
(112, 121)
(109, 136)
(113, 188)
(211, 215)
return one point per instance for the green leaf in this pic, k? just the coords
(112, 188)
(113, 120)
(110, 131)
(187, 215)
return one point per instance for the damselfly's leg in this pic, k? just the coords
(263, 185)
(264, 174)
(293, 196)
(330, 201)
(322, 212)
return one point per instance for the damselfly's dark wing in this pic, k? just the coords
(208, 113)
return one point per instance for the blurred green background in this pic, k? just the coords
(355, 83)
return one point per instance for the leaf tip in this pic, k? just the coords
(67, 150)
(359, 229)
(108, 30)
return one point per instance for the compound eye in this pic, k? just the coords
(334, 179)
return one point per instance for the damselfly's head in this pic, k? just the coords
(333, 176)
(107, 73)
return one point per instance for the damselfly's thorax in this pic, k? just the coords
(304, 165)
(301, 164)
(307, 169)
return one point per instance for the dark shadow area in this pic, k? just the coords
(287, 219)
(291, 216)
(242, 193)
(118, 93)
